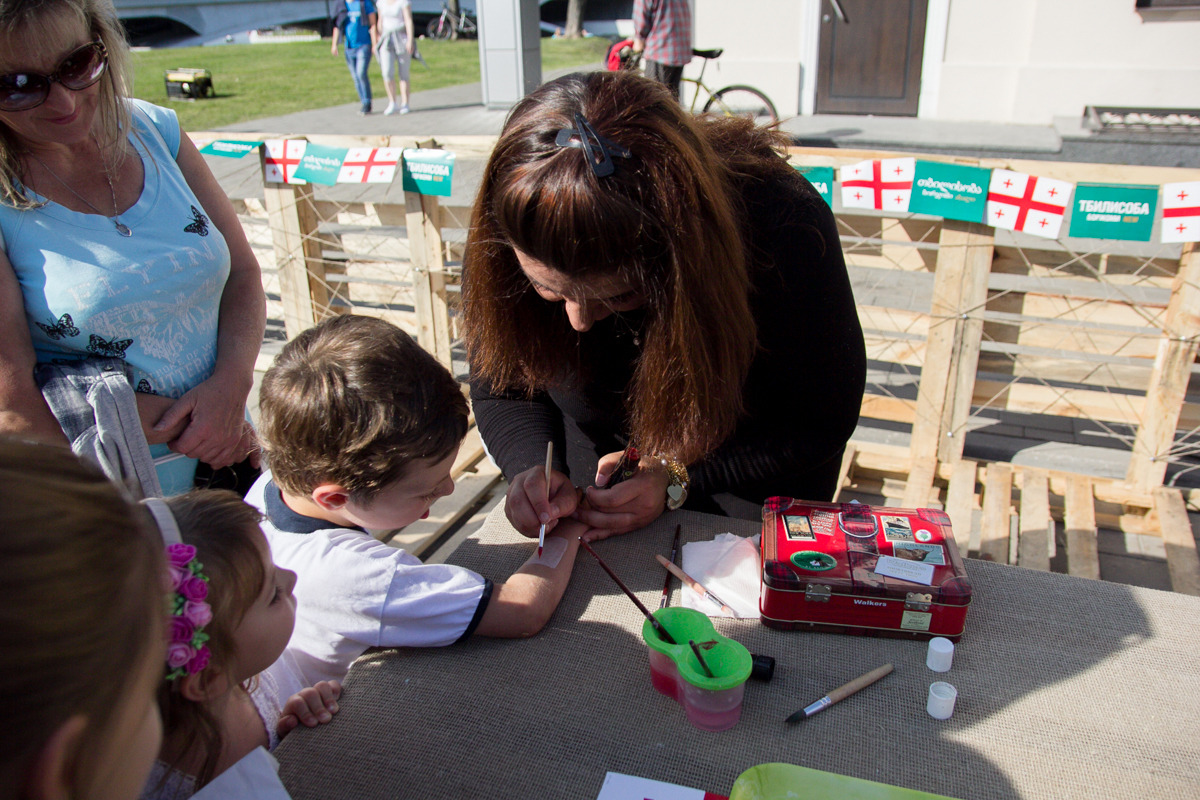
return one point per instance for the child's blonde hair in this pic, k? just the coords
(219, 525)
(82, 601)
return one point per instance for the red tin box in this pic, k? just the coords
(837, 567)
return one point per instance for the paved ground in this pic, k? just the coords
(458, 110)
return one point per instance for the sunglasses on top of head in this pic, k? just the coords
(83, 66)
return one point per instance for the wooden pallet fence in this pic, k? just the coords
(965, 325)
(999, 323)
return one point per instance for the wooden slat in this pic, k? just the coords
(1036, 527)
(1169, 381)
(1083, 559)
(845, 470)
(919, 486)
(997, 509)
(960, 503)
(1182, 560)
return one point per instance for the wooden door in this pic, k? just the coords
(870, 56)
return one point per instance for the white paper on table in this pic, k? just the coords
(728, 566)
(629, 787)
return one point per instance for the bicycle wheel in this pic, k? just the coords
(440, 28)
(743, 101)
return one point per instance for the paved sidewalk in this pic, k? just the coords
(459, 110)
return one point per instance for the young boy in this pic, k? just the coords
(360, 427)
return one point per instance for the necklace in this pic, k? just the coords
(121, 227)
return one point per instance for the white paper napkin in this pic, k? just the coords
(728, 566)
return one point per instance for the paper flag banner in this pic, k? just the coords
(628, 787)
(822, 180)
(321, 164)
(1181, 212)
(229, 148)
(884, 184)
(369, 165)
(428, 171)
(1020, 202)
(283, 156)
(1113, 211)
(951, 191)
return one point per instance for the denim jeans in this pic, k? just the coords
(359, 59)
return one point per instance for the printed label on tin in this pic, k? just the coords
(915, 621)
(925, 553)
(798, 529)
(896, 529)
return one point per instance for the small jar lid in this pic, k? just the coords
(761, 667)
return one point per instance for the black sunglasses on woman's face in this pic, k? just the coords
(21, 91)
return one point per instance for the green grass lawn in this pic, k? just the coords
(267, 80)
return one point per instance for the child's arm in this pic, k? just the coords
(312, 706)
(522, 605)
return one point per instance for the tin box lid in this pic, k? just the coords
(861, 550)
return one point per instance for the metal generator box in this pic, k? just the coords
(853, 568)
(188, 84)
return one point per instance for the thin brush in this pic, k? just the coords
(549, 459)
(658, 626)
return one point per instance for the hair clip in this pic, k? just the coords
(596, 149)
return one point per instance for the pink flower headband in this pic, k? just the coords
(187, 652)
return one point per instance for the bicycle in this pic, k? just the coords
(448, 26)
(735, 100)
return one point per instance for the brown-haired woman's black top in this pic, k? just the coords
(802, 395)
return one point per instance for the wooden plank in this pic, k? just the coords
(919, 485)
(997, 510)
(960, 503)
(952, 352)
(845, 470)
(1182, 560)
(293, 222)
(1169, 381)
(1083, 559)
(1036, 526)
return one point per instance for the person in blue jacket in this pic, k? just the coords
(355, 22)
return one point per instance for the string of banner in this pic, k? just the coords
(298, 161)
(1015, 201)
(1000, 198)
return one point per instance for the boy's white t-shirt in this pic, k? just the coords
(354, 592)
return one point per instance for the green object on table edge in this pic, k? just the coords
(780, 781)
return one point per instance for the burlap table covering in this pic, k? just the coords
(1068, 688)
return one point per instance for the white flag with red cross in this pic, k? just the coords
(884, 184)
(369, 165)
(1181, 212)
(1025, 203)
(281, 160)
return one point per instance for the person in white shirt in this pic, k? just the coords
(394, 35)
(360, 427)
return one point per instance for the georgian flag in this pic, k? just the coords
(281, 160)
(1181, 212)
(885, 184)
(1020, 202)
(369, 165)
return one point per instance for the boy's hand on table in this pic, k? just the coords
(310, 707)
(632, 504)
(526, 505)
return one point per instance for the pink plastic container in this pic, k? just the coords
(711, 704)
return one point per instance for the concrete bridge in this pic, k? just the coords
(189, 22)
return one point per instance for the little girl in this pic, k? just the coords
(81, 621)
(233, 613)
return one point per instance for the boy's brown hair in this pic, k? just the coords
(353, 402)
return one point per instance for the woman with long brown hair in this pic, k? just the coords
(641, 280)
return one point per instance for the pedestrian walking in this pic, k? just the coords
(355, 23)
(662, 33)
